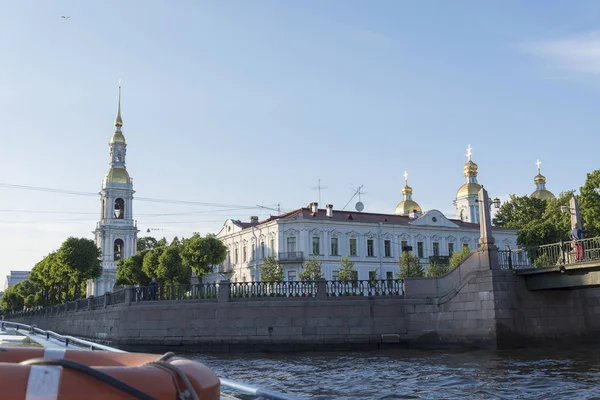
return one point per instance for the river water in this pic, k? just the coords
(410, 374)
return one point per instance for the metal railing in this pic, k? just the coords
(379, 287)
(272, 289)
(551, 255)
(175, 292)
(64, 339)
(232, 290)
(228, 384)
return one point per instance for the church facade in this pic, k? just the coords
(116, 232)
(372, 241)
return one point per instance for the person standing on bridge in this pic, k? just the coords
(152, 288)
(577, 238)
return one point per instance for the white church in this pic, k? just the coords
(116, 232)
(373, 242)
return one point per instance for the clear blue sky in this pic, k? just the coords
(251, 102)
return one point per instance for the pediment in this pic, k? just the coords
(404, 236)
(371, 235)
(433, 218)
(465, 239)
(352, 234)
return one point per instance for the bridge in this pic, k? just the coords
(563, 265)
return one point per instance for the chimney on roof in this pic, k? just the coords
(254, 219)
(329, 208)
(314, 208)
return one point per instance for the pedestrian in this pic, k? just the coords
(152, 289)
(577, 237)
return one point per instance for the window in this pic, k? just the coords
(436, 249)
(352, 247)
(118, 249)
(244, 278)
(119, 208)
(291, 245)
(420, 249)
(291, 276)
(389, 275)
(335, 275)
(253, 252)
(387, 247)
(316, 245)
(244, 255)
(370, 249)
(235, 256)
(450, 249)
(262, 249)
(272, 246)
(372, 275)
(466, 246)
(334, 246)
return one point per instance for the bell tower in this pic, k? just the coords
(116, 232)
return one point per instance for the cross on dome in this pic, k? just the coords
(406, 177)
(469, 154)
(538, 163)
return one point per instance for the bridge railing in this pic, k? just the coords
(551, 255)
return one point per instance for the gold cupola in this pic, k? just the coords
(118, 135)
(540, 185)
(407, 205)
(470, 187)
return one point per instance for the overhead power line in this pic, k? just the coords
(148, 199)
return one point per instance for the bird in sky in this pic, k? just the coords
(67, 17)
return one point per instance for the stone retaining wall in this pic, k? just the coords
(475, 304)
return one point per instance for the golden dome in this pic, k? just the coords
(406, 207)
(470, 168)
(117, 175)
(543, 194)
(117, 138)
(468, 189)
(407, 190)
(539, 178)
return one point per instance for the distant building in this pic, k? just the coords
(14, 278)
(372, 241)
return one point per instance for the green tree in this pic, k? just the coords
(170, 268)
(410, 267)
(347, 272)
(312, 270)
(201, 253)
(80, 261)
(150, 263)
(271, 270)
(146, 243)
(435, 269)
(162, 243)
(458, 257)
(519, 211)
(130, 271)
(11, 300)
(589, 204)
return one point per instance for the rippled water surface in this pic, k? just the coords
(410, 374)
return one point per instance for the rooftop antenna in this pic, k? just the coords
(319, 188)
(359, 206)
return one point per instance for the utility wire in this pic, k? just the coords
(148, 199)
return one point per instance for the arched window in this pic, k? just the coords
(119, 249)
(119, 208)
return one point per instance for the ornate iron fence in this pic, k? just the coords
(380, 287)
(175, 292)
(272, 289)
(551, 255)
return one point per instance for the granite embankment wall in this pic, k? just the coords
(476, 304)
